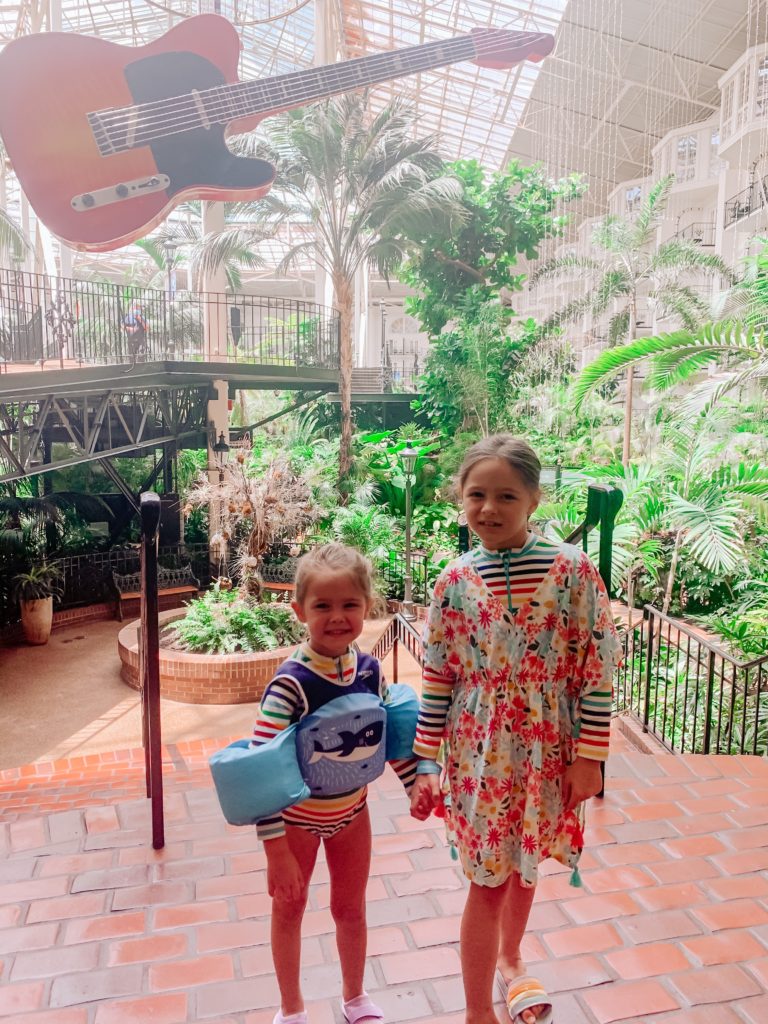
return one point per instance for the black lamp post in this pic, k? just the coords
(220, 455)
(409, 455)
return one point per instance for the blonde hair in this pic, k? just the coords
(334, 558)
(514, 450)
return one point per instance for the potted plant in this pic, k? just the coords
(35, 591)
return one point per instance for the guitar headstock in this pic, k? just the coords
(503, 48)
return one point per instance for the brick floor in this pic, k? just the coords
(96, 927)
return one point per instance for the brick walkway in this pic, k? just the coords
(671, 926)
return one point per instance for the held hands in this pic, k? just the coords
(582, 780)
(284, 879)
(425, 796)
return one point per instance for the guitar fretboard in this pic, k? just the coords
(121, 129)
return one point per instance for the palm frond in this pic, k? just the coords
(710, 529)
(651, 210)
(556, 267)
(694, 350)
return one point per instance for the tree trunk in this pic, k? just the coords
(626, 447)
(628, 416)
(672, 572)
(343, 295)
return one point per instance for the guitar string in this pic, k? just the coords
(174, 113)
(287, 83)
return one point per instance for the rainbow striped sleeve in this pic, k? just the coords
(405, 768)
(280, 705)
(436, 694)
(594, 736)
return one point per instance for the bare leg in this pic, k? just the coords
(480, 936)
(287, 916)
(349, 864)
(516, 910)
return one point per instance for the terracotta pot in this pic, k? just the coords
(36, 619)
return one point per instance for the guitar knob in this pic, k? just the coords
(88, 199)
(122, 191)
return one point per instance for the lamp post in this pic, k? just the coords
(409, 456)
(220, 456)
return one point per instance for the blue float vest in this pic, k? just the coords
(341, 744)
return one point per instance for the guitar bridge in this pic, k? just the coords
(119, 193)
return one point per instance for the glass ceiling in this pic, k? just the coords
(474, 110)
(624, 72)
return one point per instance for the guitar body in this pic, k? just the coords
(54, 152)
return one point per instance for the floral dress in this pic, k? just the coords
(519, 680)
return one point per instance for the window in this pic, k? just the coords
(715, 163)
(743, 108)
(727, 114)
(634, 197)
(686, 158)
(761, 91)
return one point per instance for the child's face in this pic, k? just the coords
(497, 502)
(334, 610)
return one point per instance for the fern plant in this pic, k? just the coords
(223, 622)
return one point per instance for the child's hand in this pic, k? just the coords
(582, 780)
(425, 796)
(284, 878)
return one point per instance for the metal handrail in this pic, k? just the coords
(701, 231)
(746, 202)
(603, 504)
(690, 692)
(74, 323)
(399, 631)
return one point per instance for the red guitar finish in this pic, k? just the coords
(107, 139)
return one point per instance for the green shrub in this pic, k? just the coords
(223, 622)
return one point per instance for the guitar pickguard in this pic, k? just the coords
(199, 156)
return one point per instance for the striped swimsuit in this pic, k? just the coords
(285, 702)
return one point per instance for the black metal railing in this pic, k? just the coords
(87, 578)
(689, 692)
(746, 202)
(47, 321)
(399, 631)
(700, 232)
(392, 572)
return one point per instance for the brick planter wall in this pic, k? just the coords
(201, 678)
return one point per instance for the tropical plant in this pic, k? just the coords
(252, 512)
(457, 267)
(13, 241)
(630, 266)
(364, 184)
(224, 622)
(466, 381)
(740, 353)
(39, 582)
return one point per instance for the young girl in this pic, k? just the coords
(333, 592)
(520, 650)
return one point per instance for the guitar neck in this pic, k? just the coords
(117, 131)
(294, 90)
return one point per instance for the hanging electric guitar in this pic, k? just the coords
(107, 139)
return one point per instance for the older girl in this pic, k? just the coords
(520, 651)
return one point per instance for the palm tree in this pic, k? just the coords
(629, 266)
(365, 184)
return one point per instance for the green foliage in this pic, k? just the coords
(41, 581)
(223, 622)
(677, 357)
(465, 386)
(471, 262)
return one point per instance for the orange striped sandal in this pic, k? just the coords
(525, 994)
